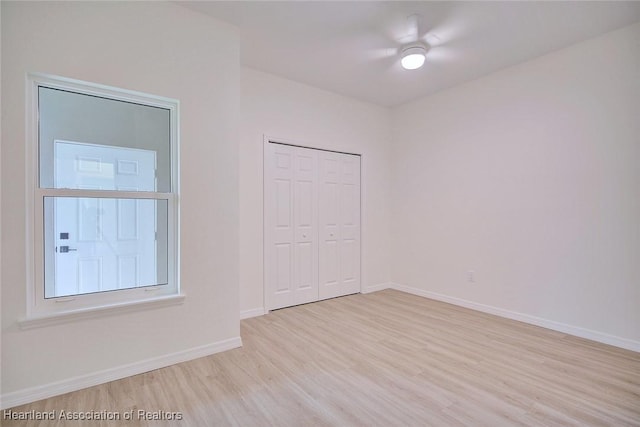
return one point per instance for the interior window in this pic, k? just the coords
(105, 193)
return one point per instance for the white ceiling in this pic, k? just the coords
(351, 48)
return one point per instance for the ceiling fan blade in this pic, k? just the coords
(442, 55)
(413, 28)
(381, 53)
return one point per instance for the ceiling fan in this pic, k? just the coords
(413, 52)
(411, 44)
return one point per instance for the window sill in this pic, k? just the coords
(49, 319)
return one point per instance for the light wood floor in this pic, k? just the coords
(383, 359)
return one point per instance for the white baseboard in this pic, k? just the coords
(375, 288)
(526, 318)
(21, 397)
(254, 312)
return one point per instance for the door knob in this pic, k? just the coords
(65, 249)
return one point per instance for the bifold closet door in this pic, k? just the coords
(339, 216)
(312, 225)
(291, 225)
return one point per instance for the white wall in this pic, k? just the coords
(159, 48)
(530, 178)
(311, 117)
(0, 201)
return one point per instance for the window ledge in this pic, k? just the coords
(48, 319)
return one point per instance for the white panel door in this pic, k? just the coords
(103, 244)
(339, 216)
(291, 230)
(305, 219)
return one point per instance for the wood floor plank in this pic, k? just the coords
(381, 359)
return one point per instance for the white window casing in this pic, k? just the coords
(41, 311)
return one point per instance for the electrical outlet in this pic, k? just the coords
(471, 276)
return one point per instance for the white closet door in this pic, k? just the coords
(339, 215)
(291, 226)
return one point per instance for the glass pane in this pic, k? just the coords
(89, 142)
(99, 244)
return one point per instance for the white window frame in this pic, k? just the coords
(42, 311)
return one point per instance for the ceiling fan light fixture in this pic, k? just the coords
(413, 57)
